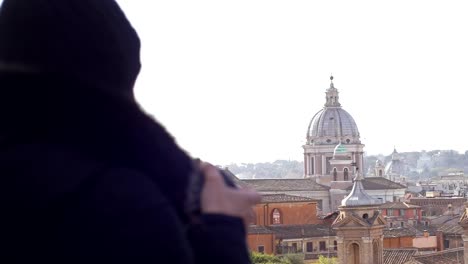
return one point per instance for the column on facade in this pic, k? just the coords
(311, 164)
(367, 251)
(324, 165)
(306, 170)
(341, 251)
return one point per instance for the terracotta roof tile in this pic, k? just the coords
(398, 256)
(401, 232)
(294, 231)
(255, 229)
(281, 197)
(451, 227)
(449, 256)
(379, 183)
(398, 205)
(265, 185)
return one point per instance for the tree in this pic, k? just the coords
(295, 258)
(325, 260)
(260, 258)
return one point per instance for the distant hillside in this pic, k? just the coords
(417, 165)
(277, 169)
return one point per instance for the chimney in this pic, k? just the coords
(426, 234)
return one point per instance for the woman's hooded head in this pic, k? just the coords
(90, 41)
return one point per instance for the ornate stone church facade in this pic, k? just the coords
(333, 154)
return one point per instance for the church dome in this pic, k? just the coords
(332, 124)
(358, 196)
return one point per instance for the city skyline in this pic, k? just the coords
(240, 82)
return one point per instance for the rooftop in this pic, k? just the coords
(255, 229)
(281, 197)
(265, 185)
(398, 205)
(451, 227)
(401, 232)
(379, 183)
(449, 256)
(358, 195)
(398, 256)
(294, 231)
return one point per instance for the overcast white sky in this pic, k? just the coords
(239, 81)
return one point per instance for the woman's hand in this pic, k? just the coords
(218, 198)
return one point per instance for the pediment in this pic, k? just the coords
(350, 221)
(379, 220)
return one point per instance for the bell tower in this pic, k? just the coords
(359, 228)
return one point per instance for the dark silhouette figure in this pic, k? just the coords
(85, 174)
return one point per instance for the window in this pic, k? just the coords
(312, 166)
(328, 165)
(391, 224)
(402, 212)
(335, 245)
(380, 173)
(402, 224)
(322, 246)
(415, 213)
(335, 174)
(390, 212)
(309, 246)
(294, 247)
(345, 174)
(365, 216)
(276, 217)
(415, 223)
(261, 249)
(446, 243)
(426, 223)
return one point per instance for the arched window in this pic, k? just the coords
(276, 215)
(345, 174)
(335, 174)
(354, 254)
(380, 173)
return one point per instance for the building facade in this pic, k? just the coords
(329, 127)
(359, 228)
(401, 214)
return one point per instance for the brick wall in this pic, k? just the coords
(398, 242)
(265, 240)
(292, 213)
